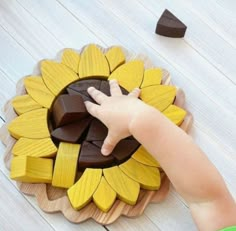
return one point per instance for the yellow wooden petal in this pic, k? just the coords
(66, 165)
(80, 194)
(104, 196)
(148, 177)
(31, 124)
(93, 63)
(152, 77)
(71, 59)
(34, 147)
(37, 89)
(115, 57)
(158, 96)
(126, 189)
(175, 114)
(129, 75)
(24, 103)
(31, 169)
(57, 76)
(142, 156)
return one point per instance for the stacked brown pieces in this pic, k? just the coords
(73, 124)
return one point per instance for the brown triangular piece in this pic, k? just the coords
(97, 131)
(169, 25)
(123, 150)
(91, 157)
(105, 88)
(71, 133)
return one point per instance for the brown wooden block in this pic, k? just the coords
(85, 97)
(72, 132)
(170, 26)
(97, 131)
(68, 109)
(83, 85)
(105, 88)
(123, 150)
(91, 157)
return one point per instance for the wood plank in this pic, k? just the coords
(40, 47)
(179, 54)
(199, 33)
(75, 35)
(171, 214)
(217, 17)
(14, 207)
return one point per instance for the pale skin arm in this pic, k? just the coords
(194, 177)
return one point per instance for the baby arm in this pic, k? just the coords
(188, 168)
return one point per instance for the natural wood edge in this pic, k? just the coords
(90, 211)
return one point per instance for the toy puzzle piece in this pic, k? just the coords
(175, 114)
(126, 189)
(72, 132)
(65, 165)
(142, 156)
(158, 96)
(81, 193)
(97, 131)
(36, 88)
(91, 157)
(57, 76)
(31, 124)
(152, 77)
(68, 109)
(71, 59)
(123, 150)
(170, 26)
(148, 177)
(129, 75)
(31, 169)
(34, 147)
(24, 103)
(104, 196)
(115, 57)
(93, 63)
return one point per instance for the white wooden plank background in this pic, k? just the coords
(203, 64)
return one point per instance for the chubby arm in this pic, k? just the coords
(194, 177)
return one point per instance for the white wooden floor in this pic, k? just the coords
(203, 64)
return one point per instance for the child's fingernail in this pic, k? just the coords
(105, 152)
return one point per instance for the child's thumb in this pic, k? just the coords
(109, 144)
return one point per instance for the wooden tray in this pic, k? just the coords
(52, 200)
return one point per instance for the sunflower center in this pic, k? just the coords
(70, 122)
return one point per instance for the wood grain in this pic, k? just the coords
(31, 169)
(142, 156)
(93, 63)
(37, 89)
(34, 147)
(175, 114)
(104, 196)
(32, 124)
(24, 103)
(57, 76)
(148, 177)
(152, 77)
(126, 189)
(158, 96)
(81, 193)
(65, 165)
(115, 57)
(129, 75)
(71, 59)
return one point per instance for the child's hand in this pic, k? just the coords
(116, 112)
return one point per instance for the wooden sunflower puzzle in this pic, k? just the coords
(53, 145)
